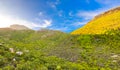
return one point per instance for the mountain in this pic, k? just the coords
(15, 27)
(106, 21)
(4, 29)
(18, 27)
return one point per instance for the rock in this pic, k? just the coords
(114, 56)
(14, 59)
(1, 44)
(11, 50)
(19, 52)
(114, 61)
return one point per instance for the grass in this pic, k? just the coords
(54, 50)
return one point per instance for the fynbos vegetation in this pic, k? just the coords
(96, 46)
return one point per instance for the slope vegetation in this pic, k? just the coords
(100, 24)
(55, 50)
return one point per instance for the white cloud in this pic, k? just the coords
(46, 23)
(70, 13)
(7, 20)
(60, 13)
(79, 23)
(40, 13)
(108, 2)
(103, 2)
(88, 1)
(54, 4)
(88, 15)
(59, 28)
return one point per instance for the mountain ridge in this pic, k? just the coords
(15, 27)
(107, 12)
(100, 24)
(18, 27)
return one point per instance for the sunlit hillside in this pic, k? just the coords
(55, 50)
(101, 23)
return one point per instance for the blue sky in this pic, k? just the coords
(63, 15)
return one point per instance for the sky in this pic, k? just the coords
(63, 15)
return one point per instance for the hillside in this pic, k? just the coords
(100, 24)
(55, 50)
(5, 29)
(26, 49)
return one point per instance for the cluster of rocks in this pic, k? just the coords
(17, 52)
(115, 58)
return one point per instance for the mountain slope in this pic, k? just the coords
(104, 22)
(19, 27)
(55, 50)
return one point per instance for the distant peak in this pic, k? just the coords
(18, 27)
